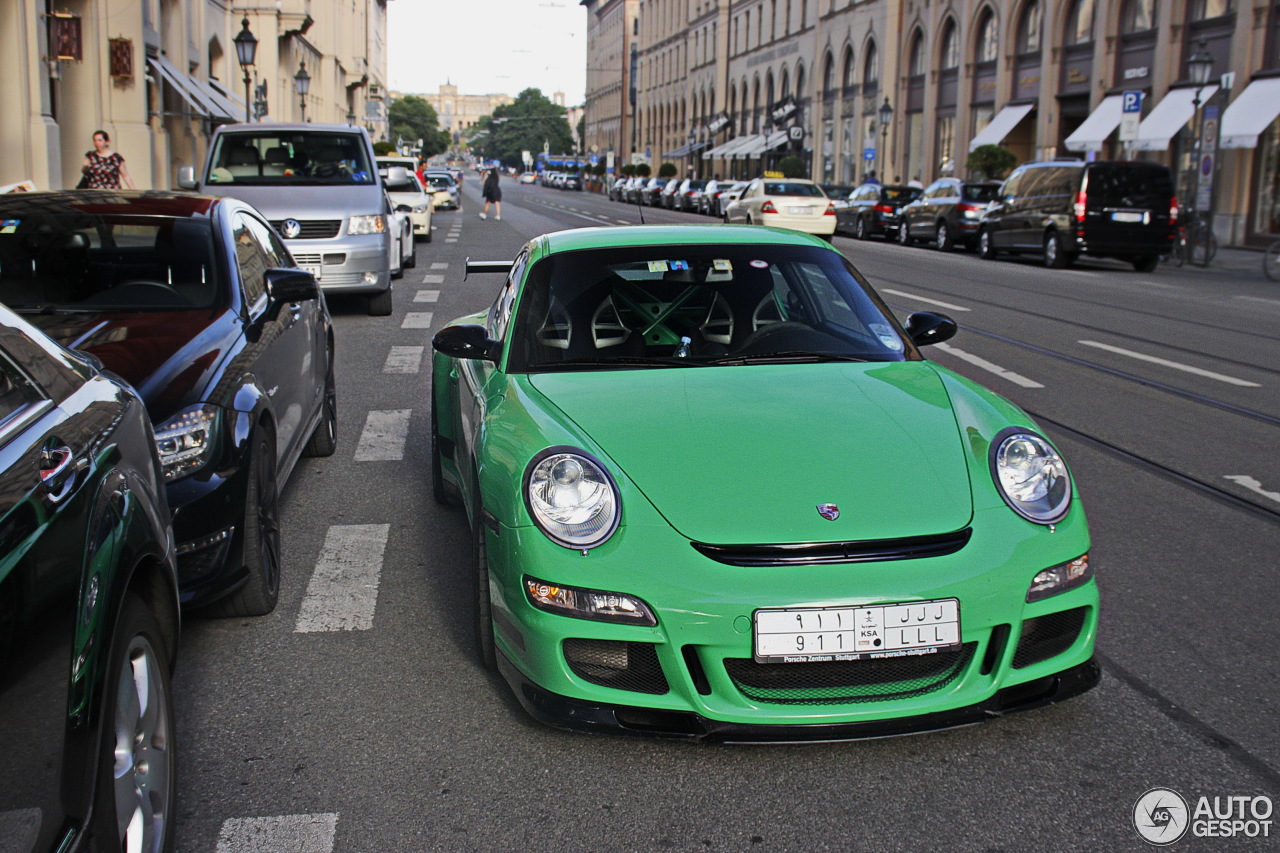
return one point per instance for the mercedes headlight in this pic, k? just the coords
(572, 498)
(375, 224)
(1031, 476)
(188, 441)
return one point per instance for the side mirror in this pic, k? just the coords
(925, 328)
(466, 340)
(291, 285)
(187, 177)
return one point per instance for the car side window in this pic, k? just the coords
(1012, 183)
(16, 390)
(500, 311)
(272, 246)
(252, 262)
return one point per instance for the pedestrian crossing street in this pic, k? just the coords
(342, 594)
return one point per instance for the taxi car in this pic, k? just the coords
(793, 203)
(716, 491)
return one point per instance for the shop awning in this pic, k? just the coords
(1094, 130)
(226, 109)
(181, 83)
(1170, 116)
(720, 149)
(230, 95)
(751, 148)
(676, 152)
(1004, 121)
(1251, 113)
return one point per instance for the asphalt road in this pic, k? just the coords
(354, 718)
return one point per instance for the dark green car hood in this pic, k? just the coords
(736, 455)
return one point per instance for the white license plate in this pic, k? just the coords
(806, 210)
(812, 634)
(1128, 216)
(311, 268)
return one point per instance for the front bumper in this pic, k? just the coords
(354, 264)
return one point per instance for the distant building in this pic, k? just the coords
(459, 112)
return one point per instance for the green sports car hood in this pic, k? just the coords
(746, 454)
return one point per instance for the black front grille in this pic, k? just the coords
(823, 553)
(611, 663)
(312, 229)
(842, 682)
(1044, 637)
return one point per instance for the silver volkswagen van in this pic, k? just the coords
(320, 188)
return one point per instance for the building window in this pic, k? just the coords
(946, 141)
(988, 45)
(828, 77)
(1138, 17)
(1029, 32)
(871, 69)
(950, 57)
(1080, 23)
(1267, 212)
(1203, 9)
(917, 55)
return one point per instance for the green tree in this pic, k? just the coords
(643, 170)
(382, 148)
(667, 170)
(527, 124)
(412, 118)
(792, 166)
(991, 161)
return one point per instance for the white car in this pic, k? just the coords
(400, 224)
(793, 203)
(420, 205)
(444, 189)
(728, 196)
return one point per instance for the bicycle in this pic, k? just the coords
(1201, 243)
(1271, 261)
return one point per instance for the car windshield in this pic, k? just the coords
(700, 305)
(791, 188)
(96, 262)
(439, 182)
(980, 192)
(409, 186)
(290, 157)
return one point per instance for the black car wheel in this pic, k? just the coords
(1145, 263)
(483, 609)
(137, 791)
(1055, 256)
(259, 594)
(324, 441)
(860, 228)
(904, 234)
(443, 493)
(986, 248)
(379, 304)
(944, 243)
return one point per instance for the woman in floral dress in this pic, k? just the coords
(103, 168)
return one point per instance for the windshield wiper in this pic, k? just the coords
(786, 357)
(624, 361)
(52, 309)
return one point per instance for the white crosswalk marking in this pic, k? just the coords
(432, 279)
(299, 833)
(404, 360)
(343, 591)
(417, 320)
(384, 435)
(440, 266)
(427, 296)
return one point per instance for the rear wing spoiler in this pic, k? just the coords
(502, 267)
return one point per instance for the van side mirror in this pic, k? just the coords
(466, 340)
(187, 177)
(925, 328)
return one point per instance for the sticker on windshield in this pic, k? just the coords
(886, 336)
(657, 266)
(678, 265)
(722, 265)
(9, 226)
(760, 265)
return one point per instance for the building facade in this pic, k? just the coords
(160, 75)
(730, 86)
(458, 112)
(609, 107)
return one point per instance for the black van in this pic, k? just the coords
(1063, 209)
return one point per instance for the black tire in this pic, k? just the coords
(443, 493)
(426, 238)
(259, 594)
(1055, 256)
(943, 242)
(1146, 263)
(1271, 261)
(482, 611)
(136, 795)
(379, 304)
(904, 234)
(860, 228)
(413, 259)
(324, 441)
(986, 248)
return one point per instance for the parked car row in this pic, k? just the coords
(561, 180)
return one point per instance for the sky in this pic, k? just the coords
(488, 47)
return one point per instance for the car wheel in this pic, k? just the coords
(1055, 256)
(443, 493)
(944, 242)
(136, 794)
(483, 610)
(380, 303)
(904, 234)
(427, 237)
(1146, 263)
(986, 249)
(412, 260)
(258, 595)
(860, 228)
(324, 441)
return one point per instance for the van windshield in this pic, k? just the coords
(271, 158)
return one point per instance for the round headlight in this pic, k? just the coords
(1031, 476)
(572, 498)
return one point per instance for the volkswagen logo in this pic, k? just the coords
(292, 228)
(829, 511)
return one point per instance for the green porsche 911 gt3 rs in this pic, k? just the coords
(717, 492)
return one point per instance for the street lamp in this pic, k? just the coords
(1199, 67)
(351, 117)
(246, 50)
(885, 114)
(302, 84)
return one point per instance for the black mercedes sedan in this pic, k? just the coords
(89, 613)
(197, 303)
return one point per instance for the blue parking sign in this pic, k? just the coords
(1131, 102)
(868, 153)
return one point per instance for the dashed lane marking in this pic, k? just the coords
(427, 296)
(299, 833)
(1175, 365)
(1253, 485)
(417, 320)
(926, 300)
(384, 436)
(432, 279)
(343, 591)
(978, 361)
(439, 266)
(404, 360)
